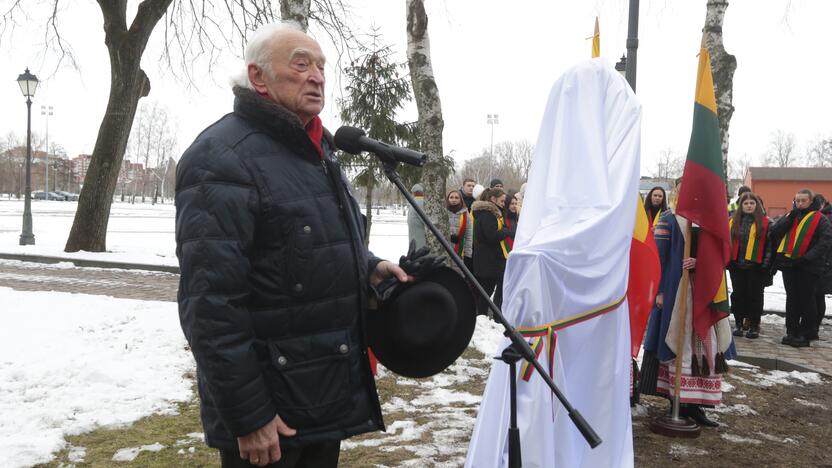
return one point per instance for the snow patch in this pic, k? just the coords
(735, 363)
(73, 362)
(771, 438)
(740, 409)
(684, 450)
(773, 319)
(76, 454)
(130, 453)
(739, 439)
(810, 404)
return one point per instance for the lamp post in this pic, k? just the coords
(493, 119)
(47, 111)
(621, 66)
(28, 84)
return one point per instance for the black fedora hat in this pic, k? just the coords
(423, 327)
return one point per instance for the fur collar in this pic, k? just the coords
(480, 205)
(277, 121)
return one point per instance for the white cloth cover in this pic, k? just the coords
(570, 256)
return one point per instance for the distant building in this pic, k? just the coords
(777, 185)
(80, 165)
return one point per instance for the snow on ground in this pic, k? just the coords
(144, 233)
(130, 453)
(71, 362)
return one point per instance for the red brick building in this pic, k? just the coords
(777, 185)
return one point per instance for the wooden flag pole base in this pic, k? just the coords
(669, 426)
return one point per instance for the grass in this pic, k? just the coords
(102, 444)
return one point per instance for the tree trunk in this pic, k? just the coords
(723, 66)
(368, 201)
(430, 117)
(128, 83)
(297, 11)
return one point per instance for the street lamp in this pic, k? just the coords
(621, 66)
(47, 111)
(28, 84)
(493, 119)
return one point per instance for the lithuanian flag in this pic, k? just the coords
(702, 200)
(596, 41)
(645, 274)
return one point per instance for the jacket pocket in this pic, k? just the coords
(300, 246)
(309, 378)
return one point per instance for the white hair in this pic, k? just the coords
(259, 53)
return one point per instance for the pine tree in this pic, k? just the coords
(375, 93)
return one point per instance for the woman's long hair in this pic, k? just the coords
(758, 215)
(648, 202)
(491, 192)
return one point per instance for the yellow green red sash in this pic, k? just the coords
(755, 247)
(508, 243)
(549, 331)
(796, 242)
(459, 247)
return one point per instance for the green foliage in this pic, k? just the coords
(375, 92)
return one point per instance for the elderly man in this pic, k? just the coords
(274, 272)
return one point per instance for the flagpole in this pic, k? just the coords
(680, 341)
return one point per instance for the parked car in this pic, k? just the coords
(68, 196)
(39, 195)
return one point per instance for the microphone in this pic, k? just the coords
(354, 140)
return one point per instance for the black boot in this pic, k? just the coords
(738, 331)
(800, 342)
(787, 339)
(754, 332)
(696, 413)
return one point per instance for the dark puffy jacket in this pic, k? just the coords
(489, 261)
(814, 260)
(274, 279)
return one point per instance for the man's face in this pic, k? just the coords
(468, 188)
(498, 186)
(298, 79)
(657, 197)
(802, 201)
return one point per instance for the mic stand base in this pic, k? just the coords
(669, 426)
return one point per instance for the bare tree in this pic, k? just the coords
(193, 29)
(738, 167)
(723, 66)
(669, 165)
(819, 152)
(780, 149)
(510, 163)
(431, 123)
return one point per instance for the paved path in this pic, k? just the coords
(128, 284)
(818, 356)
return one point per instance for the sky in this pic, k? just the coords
(488, 58)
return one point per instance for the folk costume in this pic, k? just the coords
(806, 237)
(566, 281)
(750, 271)
(703, 358)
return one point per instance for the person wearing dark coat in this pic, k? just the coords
(490, 233)
(750, 264)
(805, 239)
(825, 282)
(274, 273)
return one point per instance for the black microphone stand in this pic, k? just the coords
(518, 343)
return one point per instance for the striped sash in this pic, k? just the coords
(796, 242)
(459, 247)
(507, 243)
(547, 334)
(754, 249)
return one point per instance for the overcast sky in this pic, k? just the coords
(489, 58)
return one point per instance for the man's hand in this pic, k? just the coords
(689, 264)
(262, 446)
(387, 269)
(660, 300)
